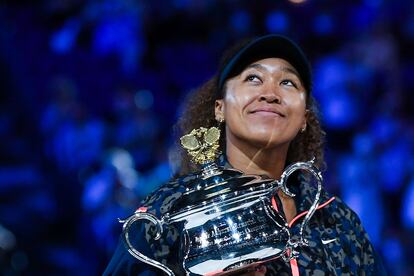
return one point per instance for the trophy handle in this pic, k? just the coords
(310, 167)
(127, 223)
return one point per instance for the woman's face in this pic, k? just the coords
(265, 105)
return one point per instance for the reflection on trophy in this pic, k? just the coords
(227, 218)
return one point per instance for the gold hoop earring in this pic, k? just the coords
(303, 129)
(220, 120)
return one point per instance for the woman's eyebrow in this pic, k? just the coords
(256, 66)
(290, 70)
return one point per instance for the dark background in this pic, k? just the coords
(91, 89)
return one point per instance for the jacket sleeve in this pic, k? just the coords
(123, 263)
(370, 261)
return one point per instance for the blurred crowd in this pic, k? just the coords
(91, 90)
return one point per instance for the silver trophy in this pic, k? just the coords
(228, 220)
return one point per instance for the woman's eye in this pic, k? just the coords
(253, 78)
(289, 83)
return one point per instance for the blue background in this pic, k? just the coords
(91, 89)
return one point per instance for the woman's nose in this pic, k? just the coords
(270, 98)
(270, 94)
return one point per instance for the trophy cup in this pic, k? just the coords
(227, 219)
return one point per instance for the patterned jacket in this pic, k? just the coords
(338, 244)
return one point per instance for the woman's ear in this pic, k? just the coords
(305, 119)
(219, 110)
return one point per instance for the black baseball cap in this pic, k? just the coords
(267, 46)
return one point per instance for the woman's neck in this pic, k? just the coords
(259, 161)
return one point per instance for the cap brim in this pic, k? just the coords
(265, 47)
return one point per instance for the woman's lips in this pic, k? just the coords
(266, 112)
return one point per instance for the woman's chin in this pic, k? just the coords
(267, 141)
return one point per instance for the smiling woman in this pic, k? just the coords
(261, 101)
(264, 110)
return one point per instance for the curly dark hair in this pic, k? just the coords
(199, 111)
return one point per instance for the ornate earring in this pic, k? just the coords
(220, 119)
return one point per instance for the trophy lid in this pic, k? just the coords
(228, 183)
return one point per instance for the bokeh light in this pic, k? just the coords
(407, 210)
(297, 1)
(277, 22)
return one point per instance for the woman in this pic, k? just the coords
(262, 96)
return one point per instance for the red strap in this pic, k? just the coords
(142, 209)
(305, 212)
(274, 204)
(293, 262)
(294, 267)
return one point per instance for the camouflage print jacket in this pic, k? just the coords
(338, 244)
